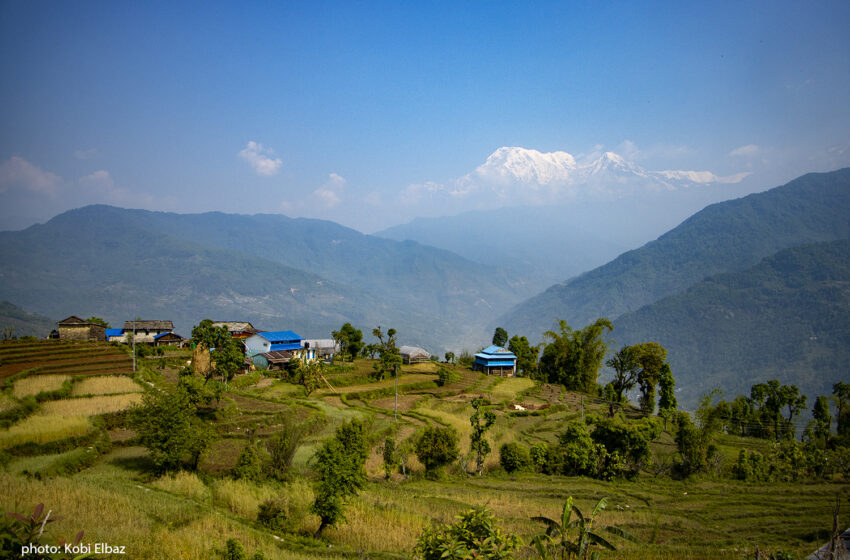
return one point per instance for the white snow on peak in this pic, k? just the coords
(527, 166)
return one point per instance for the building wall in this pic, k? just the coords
(82, 332)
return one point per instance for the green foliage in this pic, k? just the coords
(481, 422)
(339, 464)
(576, 453)
(473, 536)
(389, 359)
(466, 359)
(308, 374)
(198, 391)
(249, 464)
(446, 376)
(643, 365)
(18, 530)
(841, 392)
(234, 550)
(450, 357)
(390, 456)
(168, 427)
(500, 337)
(557, 541)
(526, 355)
(350, 341)
(626, 445)
(98, 321)
(226, 351)
(283, 444)
(539, 453)
(694, 446)
(514, 457)
(573, 358)
(435, 448)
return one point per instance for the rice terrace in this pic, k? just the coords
(69, 442)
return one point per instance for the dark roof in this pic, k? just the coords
(173, 334)
(73, 320)
(149, 325)
(235, 326)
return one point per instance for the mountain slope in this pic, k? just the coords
(786, 318)
(724, 237)
(23, 323)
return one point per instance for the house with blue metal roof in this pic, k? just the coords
(495, 360)
(268, 348)
(114, 335)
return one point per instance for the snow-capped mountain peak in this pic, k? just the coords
(527, 166)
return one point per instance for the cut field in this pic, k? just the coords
(105, 385)
(90, 406)
(63, 357)
(35, 384)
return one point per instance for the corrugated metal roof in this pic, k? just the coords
(497, 352)
(114, 332)
(160, 335)
(281, 336)
(413, 351)
(279, 346)
(148, 325)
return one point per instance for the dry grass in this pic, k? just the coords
(44, 429)
(91, 406)
(241, 497)
(510, 388)
(185, 484)
(7, 402)
(35, 384)
(105, 385)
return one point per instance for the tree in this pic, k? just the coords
(474, 535)
(629, 441)
(478, 443)
(226, 352)
(573, 358)
(437, 447)
(576, 453)
(98, 321)
(500, 337)
(389, 358)
(283, 444)
(526, 355)
(249, 465)
(771, 398)
(168, 427)
(841, 393)
(450, 357)
(308, 374)
(339, 463)
(693, 444)
(639, 364)
(822, 419)
(391, 460)
(350, 341)
(557, 543)
(667, 403)
(514, 457)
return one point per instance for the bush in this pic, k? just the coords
(249, 465)
(472, 536)
(435, 448)
(514, 457)
(446, 376)
(538, 454)
(576, 453)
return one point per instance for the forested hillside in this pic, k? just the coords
(724, 237)
(787, 318)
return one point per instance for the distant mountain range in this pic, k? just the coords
(119, 264)
(724, 237)
(16, 322)
(786, 318)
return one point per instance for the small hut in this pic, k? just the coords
(74, 328)
(414, 355)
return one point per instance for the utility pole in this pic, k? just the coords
(395, 414)
(134, 346)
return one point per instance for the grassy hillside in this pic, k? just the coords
(106, 488)
(724, 237)
(787, 318)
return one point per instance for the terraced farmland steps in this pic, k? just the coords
(63, 357)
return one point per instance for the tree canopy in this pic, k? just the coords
(573, 358)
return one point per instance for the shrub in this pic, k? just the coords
(446, 376)
(435, 448)
(474, 535)
(514, 457)
(249, 465)
(576, 453)
(538, 454)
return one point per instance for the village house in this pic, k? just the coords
(74, 328)
(237, 329)
(495, 360)
(325, 348)
(115, 335)
(169, 339)
(414, 355)
(145, 331)
(275, 349)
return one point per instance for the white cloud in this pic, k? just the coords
(91, 153)
(260, 159)
(332, 191)
(21, 174)
(750, 150)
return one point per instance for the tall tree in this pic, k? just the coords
(339, 463)
(226, 351)
(667, 404)
(500, 337)
(573, 358)
(526, 355)
(480, 424)
(388, 355)
(822, 419)
(841, 393)
(350, 341)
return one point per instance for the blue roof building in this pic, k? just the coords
(114, 334)
(495, 360)
(265, 349)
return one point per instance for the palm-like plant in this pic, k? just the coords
(558, 542)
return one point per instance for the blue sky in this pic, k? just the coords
(332, 109)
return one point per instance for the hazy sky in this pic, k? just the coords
(334, 109)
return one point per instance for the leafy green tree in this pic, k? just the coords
(500, 337)
(465, 359)
(283, 444)
(514, 457)
(841, 393)
(576, 453)
(350, 341)
(667, 403)
(480, 424)
(339, 463)
(98, 321)
(435, 448)
(694, 445)
(308, 374)
(557, 541)
(474, 535)
(539, 453)
(822, 419)
(526, 355)
(226, 352)
(389, 357)
(772, 397)
(450, 357)
(249, 464)
(629, 440)
(169, 428)
(390, 455)
(573, 358)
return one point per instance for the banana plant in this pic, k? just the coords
(572, 539)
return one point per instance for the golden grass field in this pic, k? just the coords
(91, 406)
(105, 385)
(35, 384)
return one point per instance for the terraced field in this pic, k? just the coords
(63, 357)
